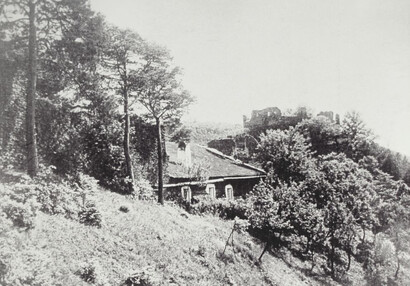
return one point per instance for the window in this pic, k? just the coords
(210, 189)
(186, 193)
(229, 192)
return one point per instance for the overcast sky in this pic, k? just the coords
(238, 55)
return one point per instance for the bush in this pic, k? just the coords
(89, 215)
(58, 198)
(225, 257)
(22, 215)
(21, 192)
(381, 263)
(87, 183)
(92, 273)
(5, 224)
(144, 277)
(87, 273)
(55, 194)
(7, 249)
(143, 190)
(220, 207)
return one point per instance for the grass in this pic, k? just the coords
(174, 247)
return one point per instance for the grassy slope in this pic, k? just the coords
(180, 248)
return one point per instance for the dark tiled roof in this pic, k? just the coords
(219, 164)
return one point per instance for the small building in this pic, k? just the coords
(240, 146)
(225, 145)
(199, 170)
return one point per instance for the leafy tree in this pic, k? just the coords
(332, 206)
(406, 177)
(400, 236)
(359, 137)
(160, 92)
(370, 164)
(270, 214)
(323, 135)
(285, 155)
(181, 134)
(391, 165)
(350, 205)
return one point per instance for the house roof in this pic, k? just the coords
(218, 164)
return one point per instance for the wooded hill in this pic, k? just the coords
(84, 101)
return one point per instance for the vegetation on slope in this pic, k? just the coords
(332, 209)
(166, 244)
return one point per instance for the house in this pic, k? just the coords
(199, 170)
(240, 146)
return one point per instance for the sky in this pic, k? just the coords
(240, 55)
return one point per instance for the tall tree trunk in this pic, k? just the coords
(349, 260)
(32, 158)
(332, 261)
(128, 162)
(396, 274)
(160, 162)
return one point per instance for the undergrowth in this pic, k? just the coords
(160, 244)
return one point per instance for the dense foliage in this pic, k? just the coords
(71, 98)
(91, 81)
(329, 209)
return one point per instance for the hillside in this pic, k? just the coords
(174, 247)
(203, 132)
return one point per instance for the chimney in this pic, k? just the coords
(184, 154)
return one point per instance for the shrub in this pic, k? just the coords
(5, 224)
(21, 192)
(54, 194)
(87, 273)
(58, 198)
(235, 208)
(87, 183)
(7, 249)
(225, 257)
(381, 263)
(144, 190)
(219, 207)
(89, 215)
(92, 273)
(144, 277)
(22, 215)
